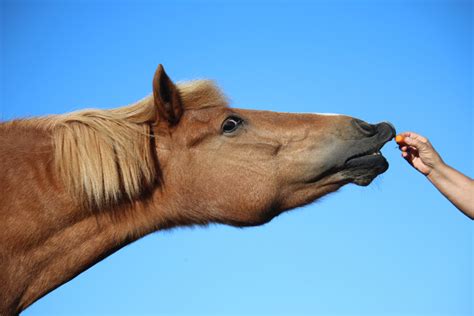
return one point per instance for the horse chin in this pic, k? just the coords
(362, 170)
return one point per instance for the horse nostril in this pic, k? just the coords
(392, 127)
(366, 128)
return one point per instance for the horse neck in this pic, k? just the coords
(49, 238)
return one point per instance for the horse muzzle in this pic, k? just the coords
(364, 160)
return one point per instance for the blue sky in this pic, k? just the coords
(396, 247)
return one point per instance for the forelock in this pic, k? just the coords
(197, 94)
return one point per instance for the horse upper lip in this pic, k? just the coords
(386, 131)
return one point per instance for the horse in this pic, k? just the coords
(77, 187)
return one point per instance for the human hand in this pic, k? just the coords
(418, 152)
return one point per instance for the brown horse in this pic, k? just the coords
(77, 187)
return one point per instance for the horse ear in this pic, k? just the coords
(166, 97)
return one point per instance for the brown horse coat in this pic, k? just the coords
(77, 187)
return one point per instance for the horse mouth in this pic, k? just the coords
(363, 166)
(362, 169)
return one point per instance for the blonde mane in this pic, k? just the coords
(106, 156)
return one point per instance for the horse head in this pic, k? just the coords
(244, 167)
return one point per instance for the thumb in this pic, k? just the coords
(416, 142)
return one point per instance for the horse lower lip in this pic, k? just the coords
(362, 170)
(369, 160)
(362, 157)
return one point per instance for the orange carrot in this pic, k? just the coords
(399, 139)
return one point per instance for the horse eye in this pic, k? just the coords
(231, 124)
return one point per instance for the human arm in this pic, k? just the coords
(455, 186)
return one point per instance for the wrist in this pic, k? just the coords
(438, 172)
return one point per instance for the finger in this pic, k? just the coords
(403, 147)
(408, 158)
(416, 142)
(408, 155)
(414, 136)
